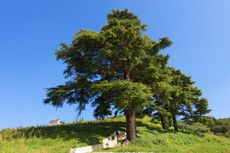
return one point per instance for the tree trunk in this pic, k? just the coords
(174, 122)
(131, 124)
(162, 121)
(130, 115)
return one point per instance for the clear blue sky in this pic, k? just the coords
(30, 31)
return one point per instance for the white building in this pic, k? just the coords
(56, 122)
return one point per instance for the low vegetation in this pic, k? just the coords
(151, 137)
(217, 126)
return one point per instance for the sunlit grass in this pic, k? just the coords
(151, 138)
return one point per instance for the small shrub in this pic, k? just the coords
(193, 128)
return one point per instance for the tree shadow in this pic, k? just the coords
(88, 133)
(151, 129)
(199, 134)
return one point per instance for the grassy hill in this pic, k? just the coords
(60, 139)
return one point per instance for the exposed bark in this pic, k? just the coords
(162, 121)
(130, 124)
(130, 116)
(174, 122)
(127, 75)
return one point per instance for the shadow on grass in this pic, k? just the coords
(86, 132)
(153, 129)
(199, 134)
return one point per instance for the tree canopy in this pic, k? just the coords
(121, 68)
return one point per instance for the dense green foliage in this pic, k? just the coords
(193, 128)
(175, 96)
(217, 126)
(120, 69)
(151, 138)
(101, 67)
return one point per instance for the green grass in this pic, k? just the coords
(150, 138)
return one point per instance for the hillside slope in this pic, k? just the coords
(150, 138)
